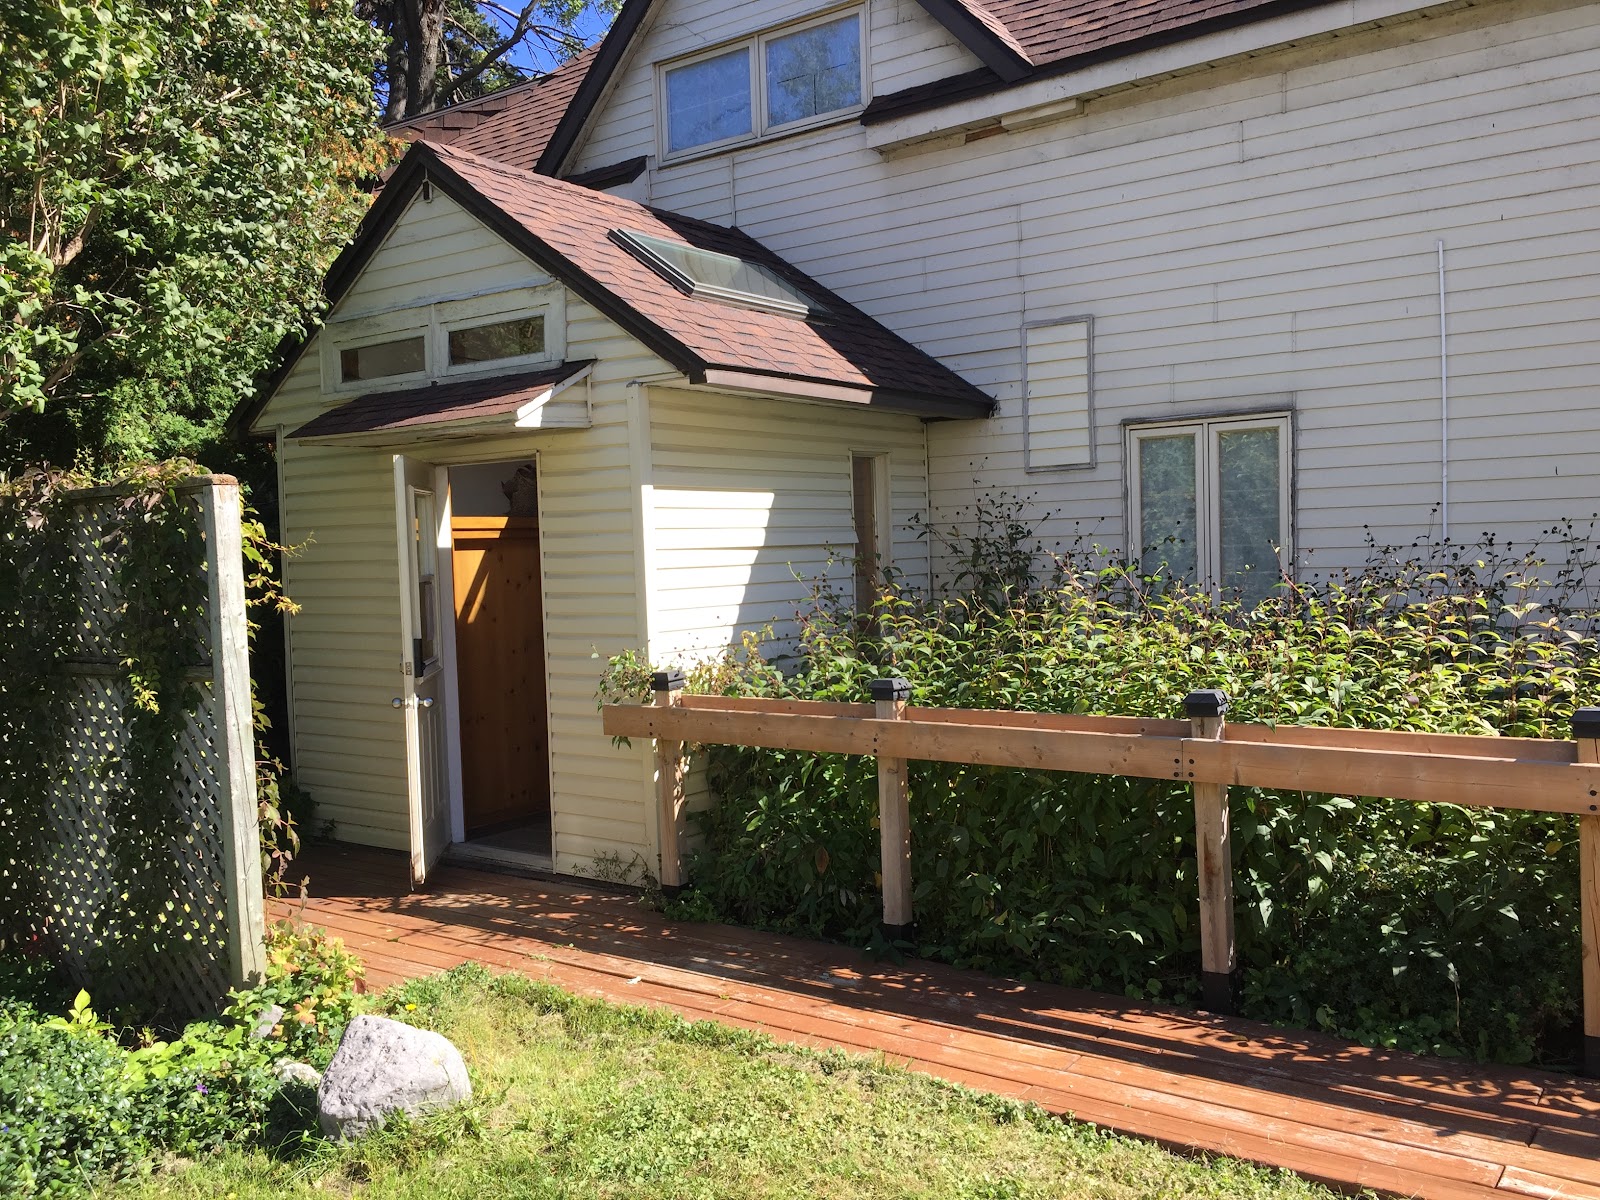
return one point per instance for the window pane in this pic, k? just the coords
(706, 273)
(504, 339)
(1167, 505)
(1248, 466)
(817, 70)
(709, 101)
(404, 357)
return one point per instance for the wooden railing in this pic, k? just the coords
(1202, 750)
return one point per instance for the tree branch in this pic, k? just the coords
(492, 56)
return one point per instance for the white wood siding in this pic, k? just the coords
(344, 643)
(1057, 424)
(1258, 234)
(750, 500)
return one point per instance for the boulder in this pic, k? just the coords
(383, 1067)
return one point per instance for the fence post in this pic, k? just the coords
(1214, 857)
(894, 816)
(1586, 732)
(668, 686)
(239, 814)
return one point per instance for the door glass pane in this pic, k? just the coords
(425, 551)
(814, 71)
(1167, 505)
(1250, 496)
(709, 101)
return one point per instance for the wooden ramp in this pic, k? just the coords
(1347, 1116)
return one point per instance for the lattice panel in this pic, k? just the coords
(103, 856)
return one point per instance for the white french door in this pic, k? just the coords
(423, 538)
(1210, 502)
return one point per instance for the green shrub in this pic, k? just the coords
(77, 1107)
(1434, 928)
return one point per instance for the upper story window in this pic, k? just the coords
(769, 82)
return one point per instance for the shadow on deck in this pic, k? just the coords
(1342, 1114)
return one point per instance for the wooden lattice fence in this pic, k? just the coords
(154, 907)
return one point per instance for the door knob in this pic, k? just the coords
(426, 702)
(399, 703)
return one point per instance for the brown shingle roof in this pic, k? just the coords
(468, 400)
(567, 228)
(1063, 35)
(513, 125)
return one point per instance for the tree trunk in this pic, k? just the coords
(421, 23)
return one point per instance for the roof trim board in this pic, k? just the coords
(994, 49)
(614, 48)
(615, 175)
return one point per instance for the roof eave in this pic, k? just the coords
(1002, 57)
(882, 399)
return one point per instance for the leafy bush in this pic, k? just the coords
(77, 1107)
(1433, 928)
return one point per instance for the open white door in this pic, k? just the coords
(419, 513)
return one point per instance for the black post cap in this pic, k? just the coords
(890, 689)
(1586, 723)
(1209, 702)
(667, 681)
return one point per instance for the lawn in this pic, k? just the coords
(579, 1099)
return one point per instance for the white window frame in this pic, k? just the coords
(755, 46)
(433, 322)
(1207, 432)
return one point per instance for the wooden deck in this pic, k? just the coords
(1351, 1117)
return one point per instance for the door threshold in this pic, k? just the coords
(471, 854)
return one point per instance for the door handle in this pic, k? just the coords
(422, 702)
(398, 702)
(426, 702)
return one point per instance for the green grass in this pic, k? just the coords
(581, 1099)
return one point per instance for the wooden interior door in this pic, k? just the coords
(500, 673)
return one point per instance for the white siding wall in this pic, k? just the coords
(1259, 233)
(750, 498)
(340, 503)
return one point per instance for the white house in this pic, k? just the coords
(1258, 277)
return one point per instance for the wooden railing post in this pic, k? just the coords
(894, 816)
(1586, 732)
(668, 686)
(1214, 856)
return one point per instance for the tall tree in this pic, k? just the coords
(439, 52)
(174, 178)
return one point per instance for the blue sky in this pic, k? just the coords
(590, 26)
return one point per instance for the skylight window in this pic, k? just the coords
(724, 278)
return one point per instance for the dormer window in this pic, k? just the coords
(772, 82)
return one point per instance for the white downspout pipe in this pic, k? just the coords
(1444, 403)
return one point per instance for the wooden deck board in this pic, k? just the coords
(1347, 1116)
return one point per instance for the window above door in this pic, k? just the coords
(769, 83)
(1210, 501)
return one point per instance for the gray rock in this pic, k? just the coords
(286, 1070)
(267, 1022)
(383, 1067)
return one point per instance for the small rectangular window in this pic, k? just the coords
(425, 566)
(1210, 502)
(1057, 410)
(814, 71)
(521, 338)
(709, 101)
(405, 356)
